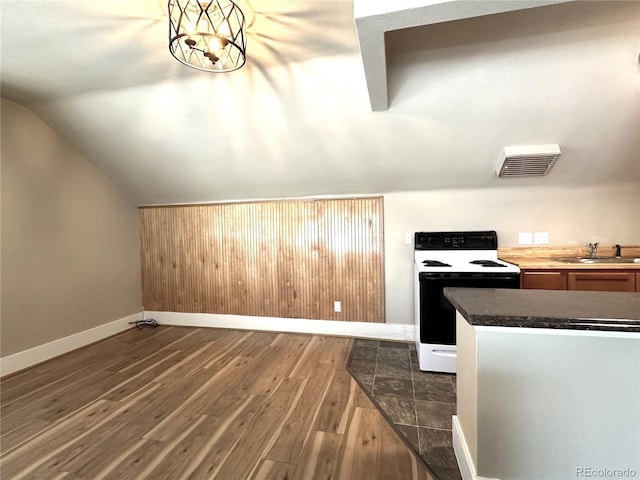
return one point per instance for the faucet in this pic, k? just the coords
(618, 251)
(593, 248)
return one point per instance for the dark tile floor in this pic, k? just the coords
(418, 405)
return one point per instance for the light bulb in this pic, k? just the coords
(189, 28)
(218, 43)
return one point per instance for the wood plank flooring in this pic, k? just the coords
(195, 403)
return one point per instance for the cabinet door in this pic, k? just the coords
(544, 280)
(609, 281)
(637, 282)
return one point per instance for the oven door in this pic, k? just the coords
(437, 315)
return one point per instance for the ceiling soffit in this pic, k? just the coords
(375, 17)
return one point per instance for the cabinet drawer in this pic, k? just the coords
(613, 281)
(544, 280)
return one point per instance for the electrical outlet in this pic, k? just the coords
(541, 238)
(408, 238)
(525, 238)
(337, 306)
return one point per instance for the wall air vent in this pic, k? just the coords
(526, 161)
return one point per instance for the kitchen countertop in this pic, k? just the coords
(544, 257)
(535, 403)
(560, 309)
(533, 263)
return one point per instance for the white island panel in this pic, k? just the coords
(540, 404)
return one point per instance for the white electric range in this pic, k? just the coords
(451, 259)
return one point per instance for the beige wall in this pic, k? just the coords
(70, 256)
(608, 214)
(70, 248)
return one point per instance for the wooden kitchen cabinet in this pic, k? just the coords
(544, 280)
(602, 281)
(594, 280)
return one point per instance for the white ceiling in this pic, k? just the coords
(296, 120)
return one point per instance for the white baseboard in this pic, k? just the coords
(385, 331)
(465, 462)
(28, 358)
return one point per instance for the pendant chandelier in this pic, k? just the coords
(208, 36)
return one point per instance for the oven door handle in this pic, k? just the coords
(443, 353)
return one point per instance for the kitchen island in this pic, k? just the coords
(548, 384)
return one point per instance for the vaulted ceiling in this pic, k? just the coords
(297, 119)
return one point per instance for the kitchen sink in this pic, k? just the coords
(597, 259)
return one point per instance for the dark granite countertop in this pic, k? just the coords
(562, 309)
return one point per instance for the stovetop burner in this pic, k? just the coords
(487, 263)
(434, 263)
(449, 253)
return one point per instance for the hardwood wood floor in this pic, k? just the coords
(193, 403)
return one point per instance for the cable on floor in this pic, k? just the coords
(151, 323)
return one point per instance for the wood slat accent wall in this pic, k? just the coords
(288, 259)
